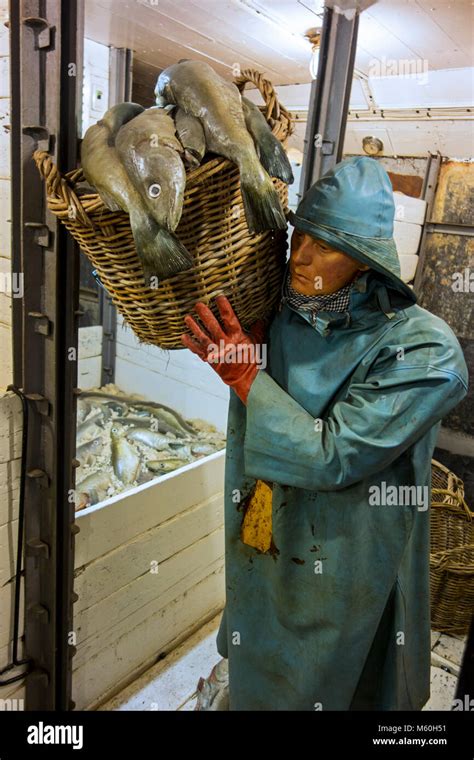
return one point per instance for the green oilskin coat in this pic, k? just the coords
(336, 615)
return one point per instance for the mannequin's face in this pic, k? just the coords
(317, 269)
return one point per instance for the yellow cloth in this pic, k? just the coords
(256, 528)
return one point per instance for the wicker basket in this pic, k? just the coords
(452, 553)
(227, 258)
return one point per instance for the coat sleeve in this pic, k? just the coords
(362, 434)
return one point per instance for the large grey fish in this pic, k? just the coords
(101, 165)
(104, 170)
(201, 92)
(125, 460)
(270, 151)
(150, 152)
(191, 136)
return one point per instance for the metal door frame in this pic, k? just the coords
(46, 81)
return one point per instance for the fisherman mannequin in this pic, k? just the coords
(327, 577)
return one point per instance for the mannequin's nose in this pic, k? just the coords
(301, 255)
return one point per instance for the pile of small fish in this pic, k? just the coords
(136, 159)
(123, 441)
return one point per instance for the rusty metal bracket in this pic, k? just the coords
(40, 475)
(43, 31)
(428, 192)
(41, 403)
(42, 233)
(42, 324)
(35, 547)
(40, 135)
(40, 612)
(39, 675)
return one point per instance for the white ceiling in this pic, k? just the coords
(269, 34)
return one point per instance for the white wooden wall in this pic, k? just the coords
(127, 613)
(406, 134)
(95, 87)
(6, 364)
(90, 357)
(177, 378)
(10, 450)
(12, 696)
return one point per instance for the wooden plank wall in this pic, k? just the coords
(11, 697)
(6, 289)
(149, 571)
(90, 357)
(10, 465)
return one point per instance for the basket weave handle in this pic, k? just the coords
(279, 118)
(459, 506)
(58, 187)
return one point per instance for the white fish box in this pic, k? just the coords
(408, 209)
(149, 571)
(407, 237)
(408, 265)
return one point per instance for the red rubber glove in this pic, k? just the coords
(229, 351)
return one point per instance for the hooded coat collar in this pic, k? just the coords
(368, 293)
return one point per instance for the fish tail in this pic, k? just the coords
(263, 208)
(274, 159)
(160, 252)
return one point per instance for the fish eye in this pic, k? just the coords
(154, 191)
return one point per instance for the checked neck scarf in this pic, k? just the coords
(337, 301)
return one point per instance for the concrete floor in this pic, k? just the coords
(171, 684)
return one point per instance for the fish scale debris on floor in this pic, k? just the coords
(124, 440)
(172, 683)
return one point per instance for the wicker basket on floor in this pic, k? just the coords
(452, 553)
(227, 258)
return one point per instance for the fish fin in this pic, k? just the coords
(263, 209)
(273, 158)
(192, 157)
(108, 201)
(162, 254)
